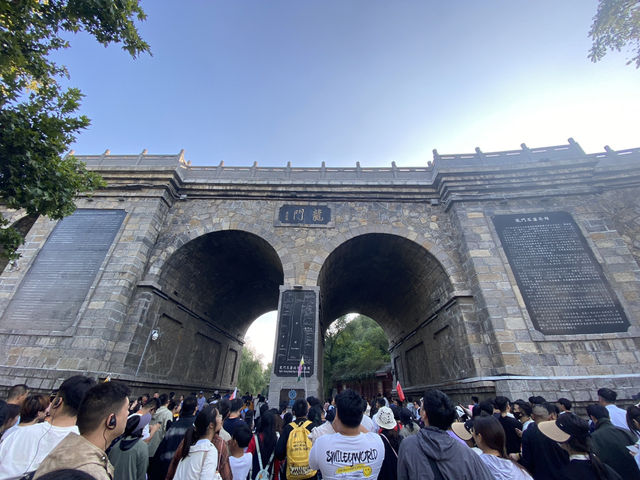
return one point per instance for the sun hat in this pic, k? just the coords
(463, 429)
(384, 418)
(566, 426)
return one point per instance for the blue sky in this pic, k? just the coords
(342, 81)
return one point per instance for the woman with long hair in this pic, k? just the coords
(491, 439)
(263, 452)
(198, 455)
(572, 433)
(409, 427)
(389, 434)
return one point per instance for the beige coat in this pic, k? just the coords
(77, 453)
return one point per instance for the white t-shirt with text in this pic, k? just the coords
(342, 457)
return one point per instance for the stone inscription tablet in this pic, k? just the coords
(563, 285)
(296, 333)
(304, 215)
(53, 290)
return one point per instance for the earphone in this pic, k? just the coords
(113, 421)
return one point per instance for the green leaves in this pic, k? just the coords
(37, 117)
(616, 26)
(354, 349)
(251, 376)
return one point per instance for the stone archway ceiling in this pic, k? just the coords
(229, 277)
(386, 277)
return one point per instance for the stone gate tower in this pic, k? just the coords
(512, 273)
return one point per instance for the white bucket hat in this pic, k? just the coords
(384, 418)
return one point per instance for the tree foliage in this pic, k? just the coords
(616, 26)
(354, 348)
(251, 376)
(37, 114)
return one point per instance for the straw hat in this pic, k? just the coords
(463, 429)
(566, 426)
(384, 418)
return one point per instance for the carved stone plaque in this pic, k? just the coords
(304, 215)
(562, 284)
(53, 290)
(296, 333)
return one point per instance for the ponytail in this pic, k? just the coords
(206, 417)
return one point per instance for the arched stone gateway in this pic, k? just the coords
(405, 289)
(511, 272)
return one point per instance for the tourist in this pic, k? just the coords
(23, 451)
(564, 405)
(432, 450)
(11, 416)
(572, 433)
(297, 456)
(409, 426)
(239, 459)
(130, 455)
(633, 421)
(163, 418)
(159, 464)
(349, 453)
(541, 456)
(618, 416)
(201, 400)
(263, 445)
(17, 396)
(102, 417)
(224, 406)
(198, 456)
(34, 410)
(235, 416)
(368, 424)
(610, 443)
(509, 424)
(223, 450)
(490, 437)
(522, 412)
(391, 441)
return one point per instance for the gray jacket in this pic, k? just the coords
(455, 461)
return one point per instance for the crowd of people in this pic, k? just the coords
(89, 430)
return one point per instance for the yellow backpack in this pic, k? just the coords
(298, 448)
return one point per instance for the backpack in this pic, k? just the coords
(263, 473)
(298, 448)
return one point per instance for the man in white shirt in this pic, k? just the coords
(348, 453)
(24, 450)
(618, 416)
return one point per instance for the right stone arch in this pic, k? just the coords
(402, 286)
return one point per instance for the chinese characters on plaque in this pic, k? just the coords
(304, 215)
(296, 333)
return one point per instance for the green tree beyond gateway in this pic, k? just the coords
(353, 348)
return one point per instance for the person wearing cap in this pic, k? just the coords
(464, 432)
(572, 434)
(202, 401)
(610, 443)
(432, 453)
(618, 416)
(541, 456)
(385, 420)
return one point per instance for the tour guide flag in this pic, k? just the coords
(300, 367)
(400, 392)
(233, 395)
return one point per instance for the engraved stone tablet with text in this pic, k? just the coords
(562, 284)
(53, 290)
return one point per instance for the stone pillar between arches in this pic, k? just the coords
(297, 337)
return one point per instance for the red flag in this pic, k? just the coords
(233, 395)
(400, 392)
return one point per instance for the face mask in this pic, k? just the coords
(518, 415)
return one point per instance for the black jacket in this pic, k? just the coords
(159, 464)
(610, 445)
(542, 456)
